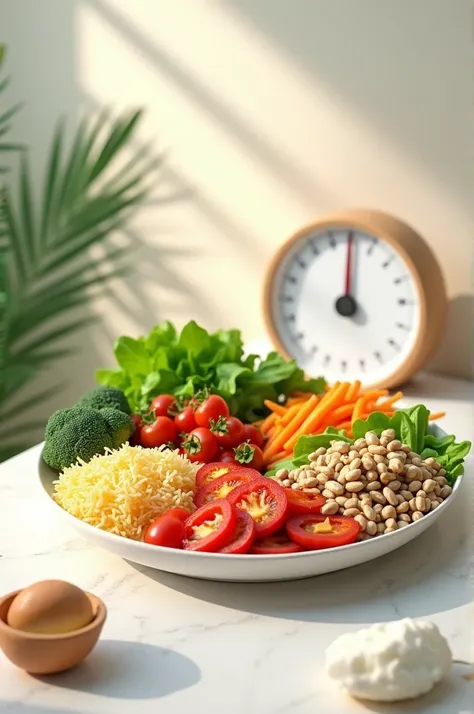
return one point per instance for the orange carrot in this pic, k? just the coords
(437, 415)
(358, 409)
(297, 400)
(274, 407)
(279, 440)
(332, 398)
(388, 402)
(267, 423)
(353, 391)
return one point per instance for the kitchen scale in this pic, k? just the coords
(356, 295)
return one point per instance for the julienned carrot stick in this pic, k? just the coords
(358, 409)
(353, 391)
(278, 441)
(268, 423)
(437, 415)
(313, 420)
(388, 402)
(290, 413)
(274, 407)
(297, 400)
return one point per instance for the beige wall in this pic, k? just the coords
(271, 112)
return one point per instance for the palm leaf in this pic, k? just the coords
(49, 266)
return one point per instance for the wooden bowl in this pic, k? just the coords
(49, 654)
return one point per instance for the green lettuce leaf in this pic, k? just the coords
(184, 363)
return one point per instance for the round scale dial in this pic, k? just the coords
(347, 300)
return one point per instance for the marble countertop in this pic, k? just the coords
(194, 646)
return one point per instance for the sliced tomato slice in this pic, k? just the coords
(222, 486)
(315, 531)
(244, 536)
(211, 527)
(264, 500)
(276, 544)
(301, 502)
(209, 472)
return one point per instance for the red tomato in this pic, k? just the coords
(228, 432)
(276, 544)
(301, 530)
(301, 502)
(254, 435)
(265, 500)
(222, 486)
(209, 472)
(228, 457)
(163, 405)
(162, 431)
(211, 527)
(200, 446)
(185, 421)
(137, 423)
(249, 455)
(211, 409)
(166, 531)
(179, 513)
(244, 536)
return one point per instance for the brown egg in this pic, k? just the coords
(50, 607)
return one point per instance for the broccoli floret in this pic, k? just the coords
(82, 432)
(105, 398)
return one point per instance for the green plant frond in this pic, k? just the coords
(10, 113)
(74, 249)
(51, 184)
(12, 412)
(27, 212)
(50, 271)
(8, 452)
(5, 433)
(50, 336)
(118, 137)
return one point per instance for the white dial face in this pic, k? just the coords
(346, 305)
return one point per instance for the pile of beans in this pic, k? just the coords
(379, 481)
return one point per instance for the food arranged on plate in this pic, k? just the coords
(193, 445)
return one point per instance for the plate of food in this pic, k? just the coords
(240, 468)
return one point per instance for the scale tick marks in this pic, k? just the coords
(372, 246)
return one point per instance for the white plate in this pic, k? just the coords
(245, 568)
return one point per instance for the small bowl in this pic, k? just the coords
(49, 654)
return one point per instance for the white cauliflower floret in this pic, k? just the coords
(391, 661)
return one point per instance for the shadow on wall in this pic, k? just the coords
(381, 59)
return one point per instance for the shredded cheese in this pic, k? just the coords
(123, 490)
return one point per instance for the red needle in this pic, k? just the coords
(350, 239)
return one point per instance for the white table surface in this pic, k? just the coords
(176, 645)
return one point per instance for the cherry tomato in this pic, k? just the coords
(200, 446)
(254, 435)
(167, 531)
(209, 472)
(244, 536)
(302, 502)
(163, 405)
(179, 513)
(185, 421)
(249, 455)
(276, 544)
(228, 457)
(137, 423)
(211, 409)
(222, 486)
(315, 531)
(162, 431)
(265, 500)
(229, 432)
(211, 527)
